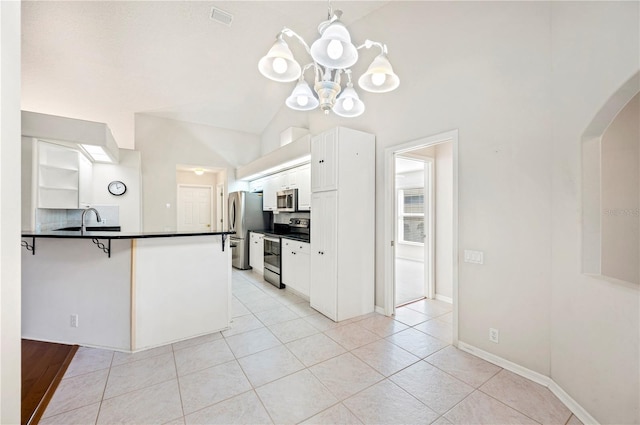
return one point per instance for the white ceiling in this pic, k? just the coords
(107, 60)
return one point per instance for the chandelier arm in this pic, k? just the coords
(307, 66)
(370, 43)
(291, 33)
(348, 72)
(337, 78)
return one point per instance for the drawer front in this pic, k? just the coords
(296, 246)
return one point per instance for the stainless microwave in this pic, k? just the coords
(287, 200)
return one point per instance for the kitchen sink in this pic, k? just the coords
(91, 229)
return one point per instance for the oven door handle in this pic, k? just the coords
(269, 239)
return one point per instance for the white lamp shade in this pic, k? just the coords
(334, 48)
(348, 104)
(302, 99)
(278, 64)
(379, 77)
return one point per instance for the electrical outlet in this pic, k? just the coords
(494, 335)
(74, 321)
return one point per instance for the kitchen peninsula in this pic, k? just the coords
(125, 291)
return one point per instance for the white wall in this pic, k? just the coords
(128, 170)
(164, 143)
(444, 219)
(594, 323)
(9, 214)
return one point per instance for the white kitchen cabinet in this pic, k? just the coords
(295, 178)
(289, 179)
(295, 268)
(85, 186)
(304, 187)
(58, 176)
(324, 161)
(342, 224)
(256, 251)
(269, 189)
(65, 177)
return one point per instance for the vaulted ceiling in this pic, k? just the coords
(108, 60)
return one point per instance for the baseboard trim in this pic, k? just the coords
(445, 299)
(579, 411)
(573, 405)
(505, 364)
(380, 310)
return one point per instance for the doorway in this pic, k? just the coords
(414, 254)
(421, 224)
(195, 207)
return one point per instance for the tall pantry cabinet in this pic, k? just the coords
(342, 223)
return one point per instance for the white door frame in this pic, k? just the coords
(220, 207)
(389, 218)
(429, 247)
(183, 185)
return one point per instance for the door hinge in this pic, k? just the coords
(392, 243)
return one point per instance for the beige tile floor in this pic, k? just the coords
(282, 362)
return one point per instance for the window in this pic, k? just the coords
(411, 215)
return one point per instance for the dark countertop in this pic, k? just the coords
(76, 234)
(294, 236)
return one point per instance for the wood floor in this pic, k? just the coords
(43, 365)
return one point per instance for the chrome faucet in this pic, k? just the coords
(82, 226)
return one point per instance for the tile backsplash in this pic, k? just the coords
(51, 219)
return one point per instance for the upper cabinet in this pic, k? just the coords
(324, 161)
(269, 190)
(289, 179)
(294, 178)
(63, 176)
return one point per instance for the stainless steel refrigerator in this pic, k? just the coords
(245, 214)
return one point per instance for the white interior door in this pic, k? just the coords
(194, 208)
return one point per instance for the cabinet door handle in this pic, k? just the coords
(293, 253)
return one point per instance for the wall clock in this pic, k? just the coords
(117, 188)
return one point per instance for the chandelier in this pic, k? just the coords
(332, 55)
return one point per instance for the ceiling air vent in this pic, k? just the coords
(221, 16)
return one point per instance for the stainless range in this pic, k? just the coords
(272, 260)
(297, 228)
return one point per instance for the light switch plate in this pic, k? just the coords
(473, 257)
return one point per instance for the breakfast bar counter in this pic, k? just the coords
(126, 291)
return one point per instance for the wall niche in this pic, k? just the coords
(611, 189)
